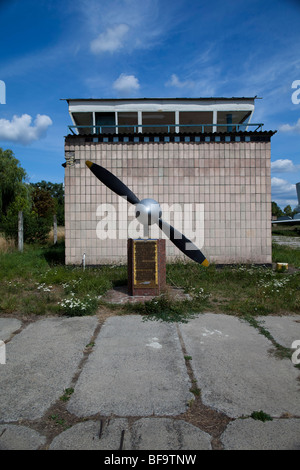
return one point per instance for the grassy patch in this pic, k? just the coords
(161, 309)
(286, 231)
(261, 416)
(195, 391)
(58, 421)
(67, 394)
(37, 282)
(284, 254)
(241, 290)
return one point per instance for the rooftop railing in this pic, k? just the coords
(169, 128)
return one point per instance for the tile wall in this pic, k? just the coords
(217, 193)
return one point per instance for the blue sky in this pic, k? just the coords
(152, 48)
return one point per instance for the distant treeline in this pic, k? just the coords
(39, 202)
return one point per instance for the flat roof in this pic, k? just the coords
(211, 98)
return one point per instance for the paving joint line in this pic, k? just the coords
(198, 405)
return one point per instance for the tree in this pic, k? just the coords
(288, 211)
(13, 190)
(56, 191)
(38, 201)
(276, 211)
(38, 222)
(42, 203)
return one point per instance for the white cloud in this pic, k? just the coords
(126, 84)
(284, 165)
(288, 128)
(286, 202)
(111, 40)
(20, 130)
(283, 188)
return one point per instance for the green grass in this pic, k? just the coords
(286, 231)
(261, 416)
(67, 394)
(284, 254)
(37, 282)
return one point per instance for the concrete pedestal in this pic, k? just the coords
(146, 261)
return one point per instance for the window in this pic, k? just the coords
(84, 121)
(191, 121)
(158, 121)
(127, 122)
(106, 123)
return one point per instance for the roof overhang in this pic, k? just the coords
(161, 104)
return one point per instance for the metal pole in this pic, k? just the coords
(146, 231)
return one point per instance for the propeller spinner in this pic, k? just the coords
(148, 212)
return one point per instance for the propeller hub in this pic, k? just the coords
(148, 211)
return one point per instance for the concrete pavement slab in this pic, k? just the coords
(250, 434)
(8, 326)
(166, 434)
(234, 369)
(15, 437)
(92, 435)
(136, 368)
(144, 434)
(284, 329)
(40, 364)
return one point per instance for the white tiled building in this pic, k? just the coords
(203, 160)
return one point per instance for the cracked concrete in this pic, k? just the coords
(132, 388)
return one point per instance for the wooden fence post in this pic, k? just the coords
(20, 231)
(54, 229)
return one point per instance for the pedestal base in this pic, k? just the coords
(146, 261)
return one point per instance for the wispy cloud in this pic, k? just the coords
(111, 40)
(176, 83)
(135, 24)
(199, 86)
(20, 129)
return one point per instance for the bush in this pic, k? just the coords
(36, 229)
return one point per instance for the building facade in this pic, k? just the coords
(203, 160)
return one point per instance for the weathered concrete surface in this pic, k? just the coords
(136, 369)
(249, 434)
(235, 371)
(167, 434)
(92, 435)
(8, 326)
(40, 364)
(144, 434)
(14, 437)
(292, 242)
(284, 329)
